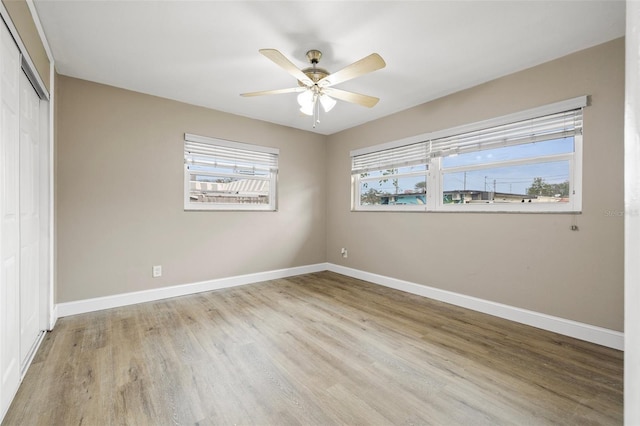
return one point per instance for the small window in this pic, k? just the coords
(526, 162)
(226, 175)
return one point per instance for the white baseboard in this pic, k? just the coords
(589, 333)
(118, 300)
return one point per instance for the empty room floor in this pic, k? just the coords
(316, 349)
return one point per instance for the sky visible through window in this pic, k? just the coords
(511, 179)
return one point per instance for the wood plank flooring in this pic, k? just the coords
(317, 349)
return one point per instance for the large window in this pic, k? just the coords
(524, 162)
(225, 175)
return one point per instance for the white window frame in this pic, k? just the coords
(267, 160)
(435, 173)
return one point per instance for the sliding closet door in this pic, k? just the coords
(29, 218)
(9, 219)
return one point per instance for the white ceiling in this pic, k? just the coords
(206, 52)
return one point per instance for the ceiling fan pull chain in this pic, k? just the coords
(315, 112)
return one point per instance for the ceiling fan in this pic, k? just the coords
(315, 85)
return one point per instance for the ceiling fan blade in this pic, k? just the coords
(274, 92)
(363, 66)
(355, 98)
(282, 61)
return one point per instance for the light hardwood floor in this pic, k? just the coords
(317, 349)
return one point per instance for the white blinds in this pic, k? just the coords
(202, 151)
(401, 156)
(549, 127)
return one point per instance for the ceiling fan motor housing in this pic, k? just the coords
(313, 72)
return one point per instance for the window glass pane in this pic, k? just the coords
(201, 166)
(206, 188)
(546, 182)
(393, 190)
(396, 171)
(537, 149)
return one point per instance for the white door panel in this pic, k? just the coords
(9, 219)
(29, 218)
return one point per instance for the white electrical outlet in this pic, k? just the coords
(344, 252)
(157, 271)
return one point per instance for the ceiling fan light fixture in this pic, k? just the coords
(305, 98)
(307, 109)
(327, 102)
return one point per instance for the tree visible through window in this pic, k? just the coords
(541, 188)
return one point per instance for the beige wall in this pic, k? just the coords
(23, 21)
(531, 261)
(119, 196)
